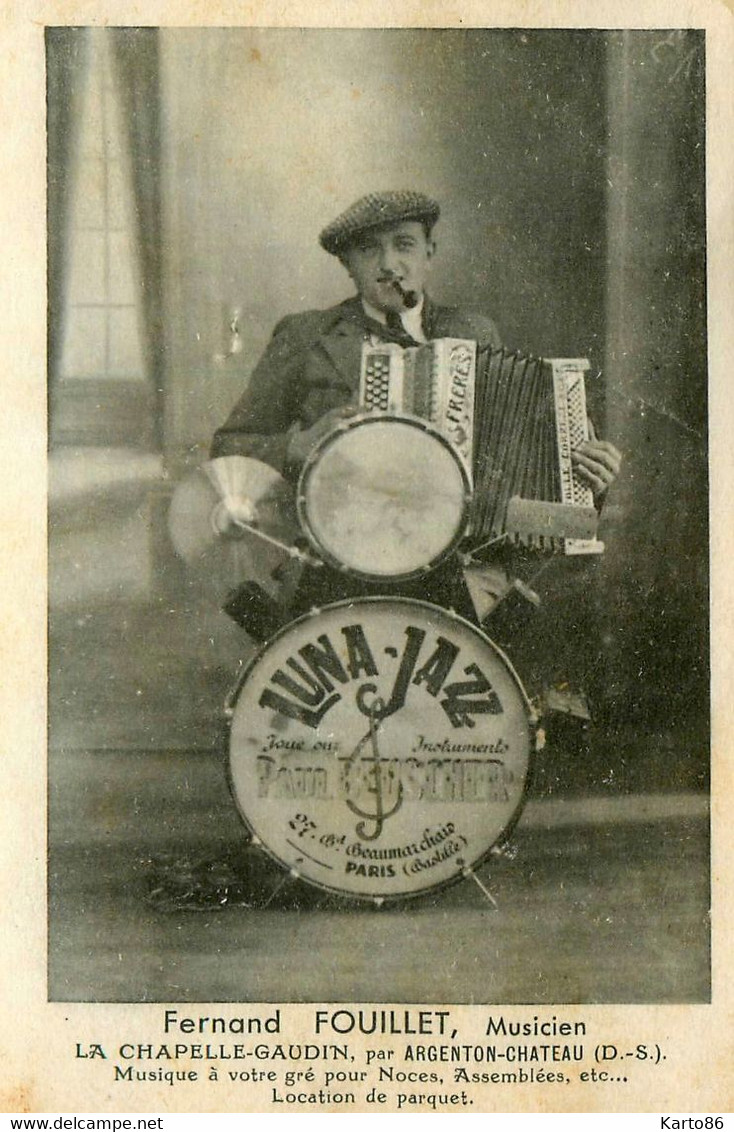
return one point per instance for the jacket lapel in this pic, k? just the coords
(343, 342)
(435, 320)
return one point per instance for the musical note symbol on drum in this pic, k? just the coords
(380, 815)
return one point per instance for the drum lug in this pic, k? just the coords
(535, 718)
(230, 702)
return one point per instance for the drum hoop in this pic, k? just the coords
(375, 897)
(325, 442)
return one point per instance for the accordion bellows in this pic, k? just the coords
(514, 420)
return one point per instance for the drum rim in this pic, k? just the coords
(374, 897)
(381, 416)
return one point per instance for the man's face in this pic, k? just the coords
(399, 253)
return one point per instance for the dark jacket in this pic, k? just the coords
(312, 365)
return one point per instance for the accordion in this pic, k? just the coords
(514, 421)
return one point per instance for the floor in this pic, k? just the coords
(157, 897)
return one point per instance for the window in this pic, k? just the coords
(103, 394)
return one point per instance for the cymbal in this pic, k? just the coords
(205, 521)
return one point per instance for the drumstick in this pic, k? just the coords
(292, 551)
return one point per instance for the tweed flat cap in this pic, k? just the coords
(374, 211)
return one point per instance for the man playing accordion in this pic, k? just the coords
(307, 382)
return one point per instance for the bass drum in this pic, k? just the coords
(379, 748)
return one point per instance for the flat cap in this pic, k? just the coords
(374, 211)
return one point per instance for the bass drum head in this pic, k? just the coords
(379, 748)
(384, 497)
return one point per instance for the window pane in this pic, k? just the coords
(91, 134)
(112, 138)
(87, 271)
(126, 355)
(122, 279)
(109, 95)
(89, 203)
(118, 192)
(83, 353)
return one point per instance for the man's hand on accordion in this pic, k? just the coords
(598, 462)
(302, 440)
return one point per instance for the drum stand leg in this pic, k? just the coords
(286, 877)
(469, 872)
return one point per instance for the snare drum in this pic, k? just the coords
(384, 497)
(379, 748)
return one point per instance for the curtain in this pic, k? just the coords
(66, 55)
(135, 54)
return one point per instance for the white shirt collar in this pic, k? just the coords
(411, 319)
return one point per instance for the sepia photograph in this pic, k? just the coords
(378, 515)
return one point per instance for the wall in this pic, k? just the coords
(654, 588)
(270, 133)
